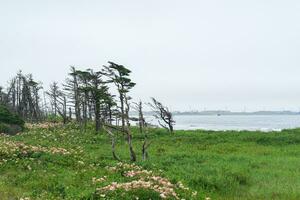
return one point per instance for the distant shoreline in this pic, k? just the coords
(226, 113)
(238, 113)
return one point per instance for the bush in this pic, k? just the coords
(54, 119)
(10, 122)
(10, 128)
(4, 128)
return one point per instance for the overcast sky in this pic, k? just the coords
(190, 54)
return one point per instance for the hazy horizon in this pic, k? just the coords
(191, 55)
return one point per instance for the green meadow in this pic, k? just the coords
(66, 162)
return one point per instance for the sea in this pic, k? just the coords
(234, 122)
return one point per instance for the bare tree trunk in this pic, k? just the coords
(144, 150)
(76, 98)
(139, 109)
(132, 153)
(70, 113)
(171, 127)
(90, 110)
(110, 115)
(128, 132)
(65, 110)
(84, 109)
(122, 111)
(113, 149)
(97, 115)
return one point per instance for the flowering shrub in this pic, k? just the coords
(44, 125)
(99, 180)
(67, 163)
(15, 149)
(141, 179)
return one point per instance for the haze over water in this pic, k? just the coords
(235, 122)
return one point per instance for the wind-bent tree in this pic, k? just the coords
(163, 115)
(87, 96)
(120, 76)
(84, 92)
(98, 91)
(95, 97)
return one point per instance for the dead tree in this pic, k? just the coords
(70, 113)
(23, 97)
(113, 142)
(143, 129)
(127, 129)
(59, 101)
(120, 76)
(163, 115)
(53, 94)
(62, 109)
(72, 87)
(34, 88)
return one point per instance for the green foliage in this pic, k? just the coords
(54, 119)
(4, 128)
(120, 75)
(220, 165)
(10, 122)
(10, 128)
(8, 117)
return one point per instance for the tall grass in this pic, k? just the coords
(221, 165)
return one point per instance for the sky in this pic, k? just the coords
(189, 54)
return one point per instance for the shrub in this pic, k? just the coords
(54, 119)
(10, 122)
(4, 128)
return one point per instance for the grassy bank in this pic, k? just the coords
(66, 163)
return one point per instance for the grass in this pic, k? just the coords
(219, 165)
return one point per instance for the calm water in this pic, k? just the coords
(236, 122)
